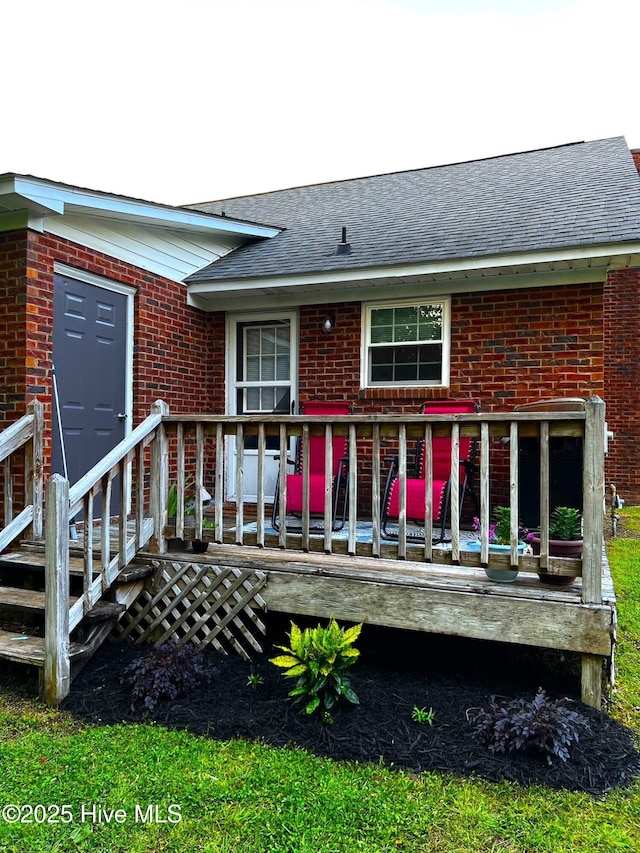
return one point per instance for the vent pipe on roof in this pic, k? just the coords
(344, 248)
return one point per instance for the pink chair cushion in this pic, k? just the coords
(416, 499)
(295, 493)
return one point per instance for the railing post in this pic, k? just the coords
(159, 479)
(593, 480)
(593, 515)
(57, 667)
(34, 468)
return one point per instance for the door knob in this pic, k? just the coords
(122, 416)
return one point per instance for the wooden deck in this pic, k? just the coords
(443, 599)
(421, 586)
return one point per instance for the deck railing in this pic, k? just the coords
(133, 466)
(21, 458)
(216, 453)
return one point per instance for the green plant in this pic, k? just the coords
(318, 659)
(166, 671)
(189, 499)
(422, 716)
(254, 680)
(565, 523)
(500, 529)
(544, 724)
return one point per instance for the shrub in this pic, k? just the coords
(544, 724)
(166, 671)
(318, 659)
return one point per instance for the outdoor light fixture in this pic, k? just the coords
(329, 322)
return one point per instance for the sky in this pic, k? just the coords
(182, 101)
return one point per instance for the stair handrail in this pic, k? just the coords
(63, 503)
(94, 476)
(27, 433)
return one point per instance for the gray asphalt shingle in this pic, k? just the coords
(574, 195)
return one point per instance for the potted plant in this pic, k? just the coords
(500, 542)
(200, 546)
(189, 504)
(565, 540)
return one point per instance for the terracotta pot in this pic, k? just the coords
(558, 548)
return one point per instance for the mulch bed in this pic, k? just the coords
(396, 672)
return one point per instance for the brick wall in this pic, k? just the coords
(507, 347)
(172, 342)
(622, 357)
(12, 323)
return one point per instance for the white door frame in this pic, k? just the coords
(129, 293)
(231, 328)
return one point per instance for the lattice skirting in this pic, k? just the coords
(200, 603)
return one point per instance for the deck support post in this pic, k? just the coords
(591, 681)
(593, 492)
(57, 666)
(159, 479)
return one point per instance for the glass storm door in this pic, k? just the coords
(263, 381)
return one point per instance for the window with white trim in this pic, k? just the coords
(406, 343)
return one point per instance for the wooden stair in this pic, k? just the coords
(19, 648)
(23, 568)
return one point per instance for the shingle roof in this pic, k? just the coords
(573, 195)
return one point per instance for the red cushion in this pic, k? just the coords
(415, 499)
(316, 493)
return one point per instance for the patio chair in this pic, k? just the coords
(317, 481)
(441, 478)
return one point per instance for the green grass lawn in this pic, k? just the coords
(159, 790)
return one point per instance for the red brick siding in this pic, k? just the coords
(12, 323)
(507, 347)
(622, 357)
(636, 159)
(172, 342)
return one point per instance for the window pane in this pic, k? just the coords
(430, 365)
(382, 325)
(253, 368)
(282, 367)
(430, 323)
(406, 364)
(252, 397)
(268, 371)
(405, 324)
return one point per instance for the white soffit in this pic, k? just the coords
(167, 241)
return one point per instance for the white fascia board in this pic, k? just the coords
(409, 288)
(47, 197)
(469, 267)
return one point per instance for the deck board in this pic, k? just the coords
(435, 598)
(26, 599)
(22, 649)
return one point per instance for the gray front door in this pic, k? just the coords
(89, 357)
